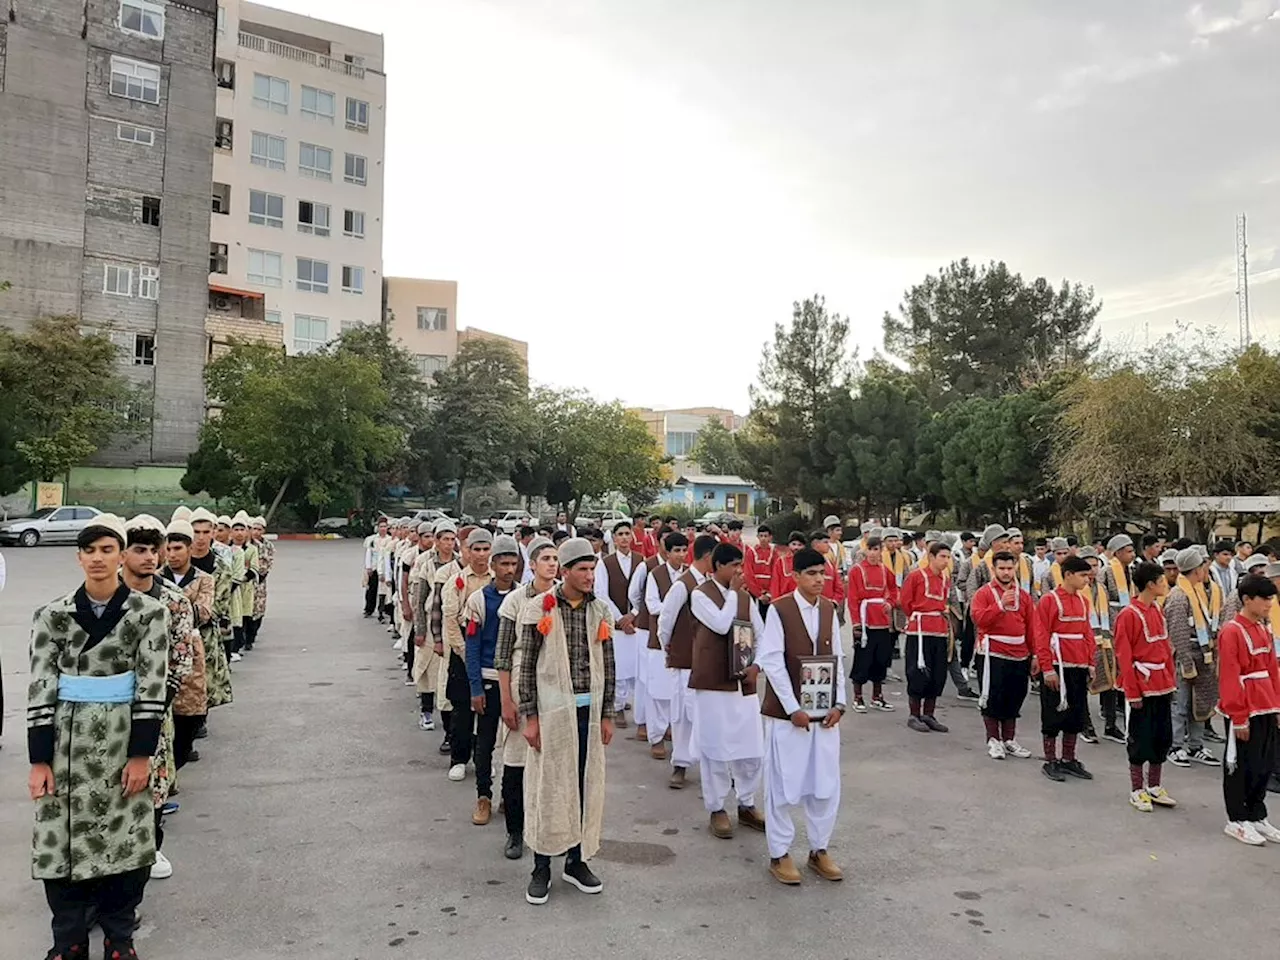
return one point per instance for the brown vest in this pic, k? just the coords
(617, 582)
(796, 644)
(519, 565)
(642, 616)
(662, 576)
(711, 650)
(680, 649)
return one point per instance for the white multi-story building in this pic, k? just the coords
(298, 169)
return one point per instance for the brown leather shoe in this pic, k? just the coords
(822, 864)
(750, 817)
(620, 720)
(784, 871)
(721, 825)
(677, 778)
(667, 736)
(658, 751)
(484, 811)
(642, 732)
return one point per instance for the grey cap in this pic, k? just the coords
(1273, 570)
(890, 532)
(932, 536)
(1087, 552)
(426, 527)
(1119, 542)
(1255, 560)
(831, 521)
(478, 536)
(1059, 543)
(875, 532)
(445, 525)
(574, 549)
(1204, 551)
(867, 526)
(536, 544)
(1168, 557)
(990, 534)
(1188, 559)
(1013, 532)
(504, 544)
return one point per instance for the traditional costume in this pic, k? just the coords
(675, 635)
(217, 633)
(454, 596)
(1250, 698)
(1145, 659)
(371, 579)
(661, 681)
(636, 590)
(266, 560)
(613, 583)
(873, 598)
(1105, 682)
(928, 650)
(1006, 635)
(1065, 650)
(191, 705)
(1191, 628)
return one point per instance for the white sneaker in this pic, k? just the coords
(162, 869)
(236, 658)
(458, 772)
(426, 722)
(1244, 832)
(1140, 801)
(1013, 748)
(1180, 758)
(397, 646)
(1160, 797)
(995, 749)
(1265, 830)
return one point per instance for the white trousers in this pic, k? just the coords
(657, 719)
(642, 694)
(682, 741)
(721, 777)
(780, 831)
(622, 693)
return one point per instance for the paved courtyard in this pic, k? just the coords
(320, 824)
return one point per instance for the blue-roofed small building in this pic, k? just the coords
(714, 492)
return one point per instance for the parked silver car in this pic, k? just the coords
(48, 525)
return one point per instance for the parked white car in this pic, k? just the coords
(48, 525)
(509, 520)
(604, 519)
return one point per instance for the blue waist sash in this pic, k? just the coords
(582, 699)
(118, 688)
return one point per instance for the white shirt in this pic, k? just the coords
(720, 619)
(770, 652)
(652, 602)
(602, 582)
(2, 571)
(676, 598)
(370, 548)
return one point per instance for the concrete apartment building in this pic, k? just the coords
(106, 155)
(298, 163)
(422, 315)
(677, 430)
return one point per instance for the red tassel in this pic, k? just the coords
(604, 634)
(460, 583)
(549, 602)
(473, 628)
(544, 626)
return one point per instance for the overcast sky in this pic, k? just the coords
(641, 189)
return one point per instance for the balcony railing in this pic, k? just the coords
(289, 52)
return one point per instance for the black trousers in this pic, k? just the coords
(1150, 736)
(409, 649)
(486, 737)
(159, 832)
(1245, 788)
(184, 737)
(871, 661)
(463, 721)
(968, 637)
(513, 795)
(1053, 721)
(251, 627)
(113, 899)
(1009, 681)
(427, 702)
(370, 595)
(574, 853)
(926, 684)
(237, 640)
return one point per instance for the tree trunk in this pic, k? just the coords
(462, 487)
(571, 514)
(279, 496)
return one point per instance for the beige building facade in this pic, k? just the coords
(422, 316)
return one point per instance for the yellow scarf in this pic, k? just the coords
(1201, 606)
(1024, 568)
(1275, 620)
(1055, 571)
(899, 566)
(1122, 581)
(1097, 605)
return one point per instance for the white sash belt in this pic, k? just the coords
(1055, 644)
(862, 616)
(986, 663)
(1231, 734)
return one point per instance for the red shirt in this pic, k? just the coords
(832, 583)
(873, 588)
(1248, 681)
(1143, 651)
(1065, 616)
(644, 544)
(924, 601)
(757, 568)
(782, 580)
(1005, 632)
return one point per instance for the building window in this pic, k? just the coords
(222, 19)
(357, 115)
(222, 134)
(131, 134)
(430, 363)
(272, 316)
(353, 279)
(226, 74)
(135, 80)
(144, 350)
(267, 151)
(313, 275)
(345, 325)
(117, 280)
(309, 333)
(266, 209)
(266, 268)
(148, 282)
(217, 258)
(221, 198)
(143, 17)
(353, 223)
(151, 211)
(679, 443)
(313, 218)
(355, 170)
(318, 104)
(433, 318)
(316, 162)
(270, 93)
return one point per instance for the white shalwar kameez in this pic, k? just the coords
(802, 766)
(661, 681)
(727, 735)
(635, 593)
(624, 644)
(683, 706)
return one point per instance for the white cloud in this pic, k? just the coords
(1250, 13)
(1075, 84)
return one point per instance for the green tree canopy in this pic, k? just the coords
(716, 450)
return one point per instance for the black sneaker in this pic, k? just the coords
(1114, 735)
(539, 885)
(201, 732)
(1273, 783)
(967, 693)
(1074, 768)
(193, 756)
(1211, 734)
(447, 746)
(580, 875)
(1053, 770)
(918, 725)
(1089, 736)
(514, 849)
(79, 952)
(118, 951)
(935, 725)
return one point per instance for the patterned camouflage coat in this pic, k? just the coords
(193, 697)
(88, 828)
(241, 599)
(266, 558)
(182, 646)
(216, 636)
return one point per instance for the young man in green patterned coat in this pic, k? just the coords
(99, 667)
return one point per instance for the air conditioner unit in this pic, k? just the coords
(222, 303)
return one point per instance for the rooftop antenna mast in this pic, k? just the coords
(1242, 280)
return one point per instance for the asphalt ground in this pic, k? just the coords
(319, 823)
